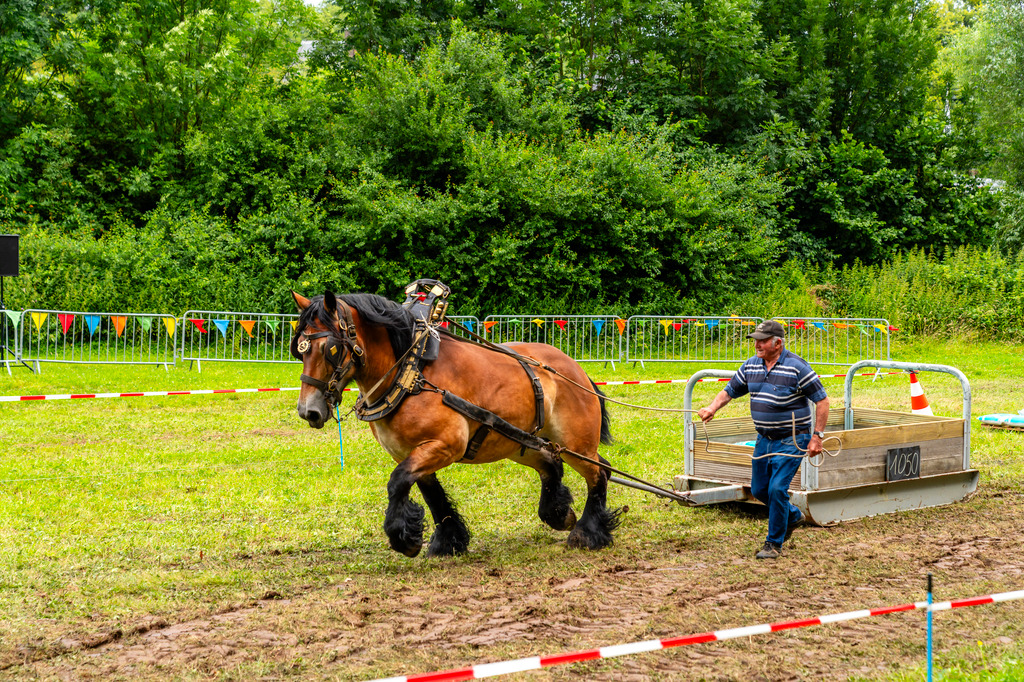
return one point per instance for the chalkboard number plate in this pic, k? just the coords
(903, 463)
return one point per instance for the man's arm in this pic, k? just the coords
(706, 414)
(820, 419)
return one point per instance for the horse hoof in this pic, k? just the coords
(448, 541)
(410, 551)
(578, 540)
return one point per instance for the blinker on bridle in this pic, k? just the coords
(333, 352)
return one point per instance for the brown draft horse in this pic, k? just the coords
(424, 436)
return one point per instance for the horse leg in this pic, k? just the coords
(450, 533)
(594, 529)
(555, 508)
(403, 521)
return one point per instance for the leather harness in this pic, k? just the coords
(427, 300)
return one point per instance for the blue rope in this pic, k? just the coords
(341, 450)
(929, 628)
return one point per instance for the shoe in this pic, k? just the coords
(796, 524)
(769, 551)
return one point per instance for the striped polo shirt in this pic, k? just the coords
(778, 395)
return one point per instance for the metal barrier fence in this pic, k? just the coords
(223, 336)
(35, 336)
(656, 338)
(819, 341)
(468, 321)
(95, 338)
(9, 321)
(584, 338)
(837, 341)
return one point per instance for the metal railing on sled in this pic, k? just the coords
(223, 336)
(584, 338)
(95, 338)
(689, 338)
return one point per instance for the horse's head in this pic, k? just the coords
(326, 342)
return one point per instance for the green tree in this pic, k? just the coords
(992, 62)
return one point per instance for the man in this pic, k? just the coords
(779, 383)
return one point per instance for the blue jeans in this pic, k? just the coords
(769, 482)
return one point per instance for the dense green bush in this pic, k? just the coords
(966, 291)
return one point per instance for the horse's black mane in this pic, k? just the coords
(372, 309)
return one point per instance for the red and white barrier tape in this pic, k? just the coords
(536, 662)
(140, 394)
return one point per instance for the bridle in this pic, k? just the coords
(341, 343)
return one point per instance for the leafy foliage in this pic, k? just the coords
(652, 156)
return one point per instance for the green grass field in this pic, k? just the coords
(114, 511)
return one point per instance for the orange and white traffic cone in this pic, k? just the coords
(918, 402)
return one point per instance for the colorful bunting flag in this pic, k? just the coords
(840, 325)
(488, 324)
(621, 324)
(273, 325)
(468, 324)
(222, 327)
(537, 321)
(561, 324)
(198, 323)
(783, 323)
(39, 318)
(665, 324)
(170, 323)
(145, 322)
(893, 329)
(799, 324)
(92, 321)
(515, 322)
(66, 319)
(247, 325)
(119, 322)
(15, 316)
(677, 325)
(819, 325)
(293, 323)
(713, 323)
(598, 325)
(861, 328)
(444, 324)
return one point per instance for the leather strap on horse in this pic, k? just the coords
(409, 380)
(492, 421)
(489, 420)
(348, 339)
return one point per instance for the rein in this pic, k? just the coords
(707, 438)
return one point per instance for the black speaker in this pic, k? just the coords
(8, 255)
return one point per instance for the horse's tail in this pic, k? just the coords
(606, 420)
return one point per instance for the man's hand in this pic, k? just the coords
(814, 447)
(706, 414)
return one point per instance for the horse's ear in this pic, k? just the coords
(330, 302)
(300, 301)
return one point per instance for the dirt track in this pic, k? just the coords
(455, 613)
